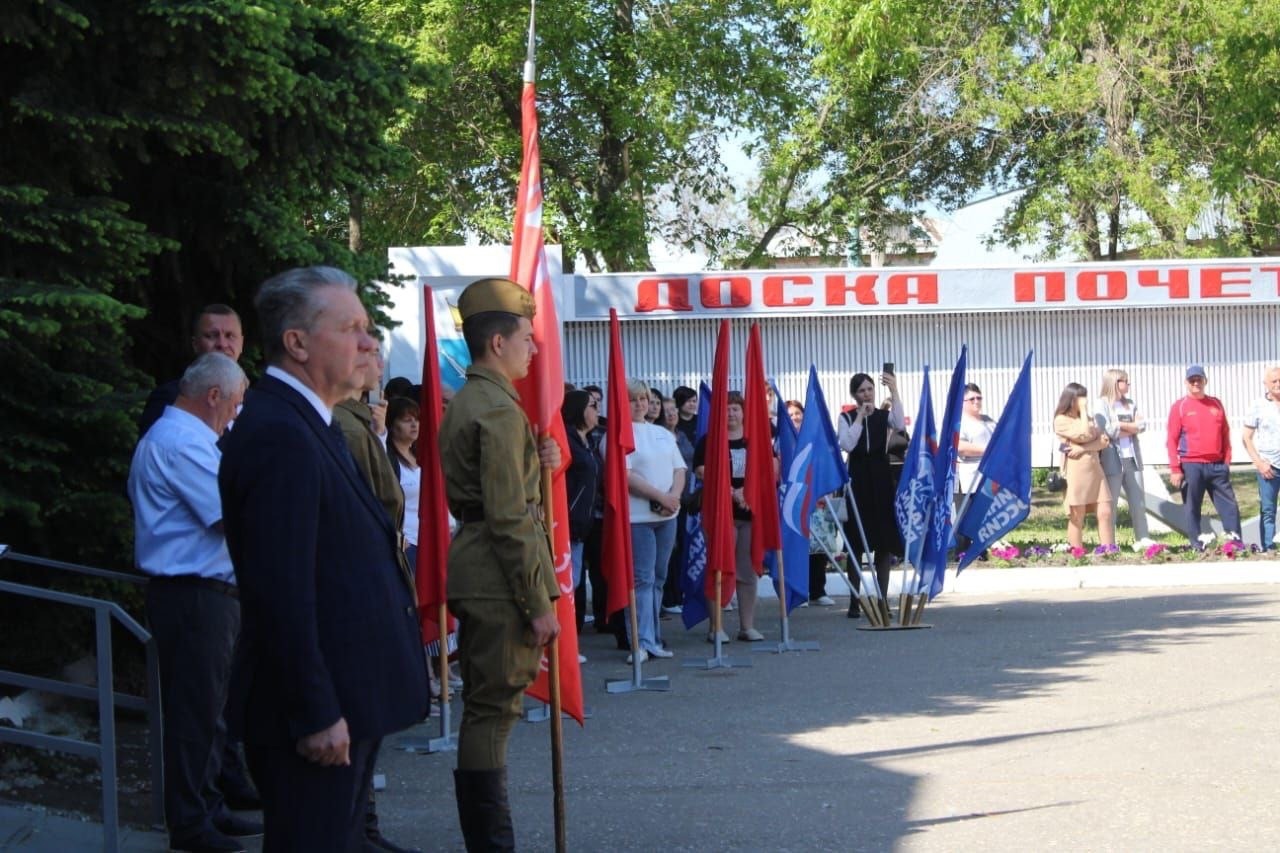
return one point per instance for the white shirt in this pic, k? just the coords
(850, 429)
(1264, 419)
(173, 484)
(411, 484)
(1124, 443)
(656, 459)
(325, 413)
(974, 431)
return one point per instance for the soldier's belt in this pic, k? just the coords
(475, 514)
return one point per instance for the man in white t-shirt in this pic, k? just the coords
(1262, 441)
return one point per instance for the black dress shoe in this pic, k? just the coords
(213, 842)
(374, 842)
(243, 801)
(238, 827)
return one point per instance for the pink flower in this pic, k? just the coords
(1154, 550)
(1077, 551)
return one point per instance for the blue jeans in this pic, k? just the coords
(1268, 491)
(651, 544)
(575, 551)
(1214, 478)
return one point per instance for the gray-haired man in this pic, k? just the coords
(192, 599)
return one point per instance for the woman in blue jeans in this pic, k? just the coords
(655, 479)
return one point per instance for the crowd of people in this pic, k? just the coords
(279, 527)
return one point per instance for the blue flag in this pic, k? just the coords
(795, 542)
(915, 494)
(812, 470)
(1003, 499)
(933, 558)
(693, 559)
(817, 438)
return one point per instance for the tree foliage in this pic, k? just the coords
(635, 97)
(158, 156)
(1142, 124)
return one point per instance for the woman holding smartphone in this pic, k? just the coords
(864, 434)
(1086, 484)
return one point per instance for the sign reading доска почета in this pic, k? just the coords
(912, 290)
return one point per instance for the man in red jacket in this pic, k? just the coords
(1199, 439)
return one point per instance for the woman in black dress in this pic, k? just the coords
(865, 433)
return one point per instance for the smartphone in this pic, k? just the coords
(888, 368)
(375, 397)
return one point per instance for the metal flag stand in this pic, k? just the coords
(637, 682)
(786, 644)
(448, 741)
(876, 608)
(717, 631)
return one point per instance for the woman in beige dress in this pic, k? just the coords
(1086, 484)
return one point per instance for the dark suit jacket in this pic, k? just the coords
(162, 395)
(328, 624)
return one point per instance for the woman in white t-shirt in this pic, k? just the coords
(1117, 415)
(402, 444)
(655, 480)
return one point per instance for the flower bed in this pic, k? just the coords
(1209, 549)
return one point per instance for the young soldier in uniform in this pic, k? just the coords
(501, 577)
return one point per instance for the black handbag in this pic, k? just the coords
(1056, 482)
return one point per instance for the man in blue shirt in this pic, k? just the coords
(192, 599)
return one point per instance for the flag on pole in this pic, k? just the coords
(620, 440)
(1003, 498)
(795, 540)
(816, 441)
(915, 494)
(542, 391)
(760, 487)
(933, 556)
(717, 502)
(433, 514)
(694, 559)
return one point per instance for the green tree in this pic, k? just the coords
(634, 99)
(1142, 124)
(158, 156)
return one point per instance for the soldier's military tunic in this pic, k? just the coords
(501, 575)
(371, 458)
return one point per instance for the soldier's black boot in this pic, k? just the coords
(483, 810)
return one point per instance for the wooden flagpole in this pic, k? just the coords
(553, 686)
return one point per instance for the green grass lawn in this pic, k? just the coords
(1047, 523)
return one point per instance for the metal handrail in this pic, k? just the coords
(104, 751)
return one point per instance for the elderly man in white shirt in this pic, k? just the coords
(192, 603)
(1262, 440)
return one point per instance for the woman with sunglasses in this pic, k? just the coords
(1117, 416)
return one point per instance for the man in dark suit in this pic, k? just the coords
(216, 329)
(330, 658)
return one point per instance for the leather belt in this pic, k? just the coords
(195, 580)
(475, 514)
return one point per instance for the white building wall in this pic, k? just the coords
(1235, 343)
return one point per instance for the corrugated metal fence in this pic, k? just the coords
(1236, 344)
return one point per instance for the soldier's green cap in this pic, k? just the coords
(495, 294)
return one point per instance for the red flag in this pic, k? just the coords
(541, 394)
(619, 441)
(717, 501)
(433, 513)
(761, 487)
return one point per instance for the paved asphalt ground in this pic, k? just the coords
(1067, 719)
